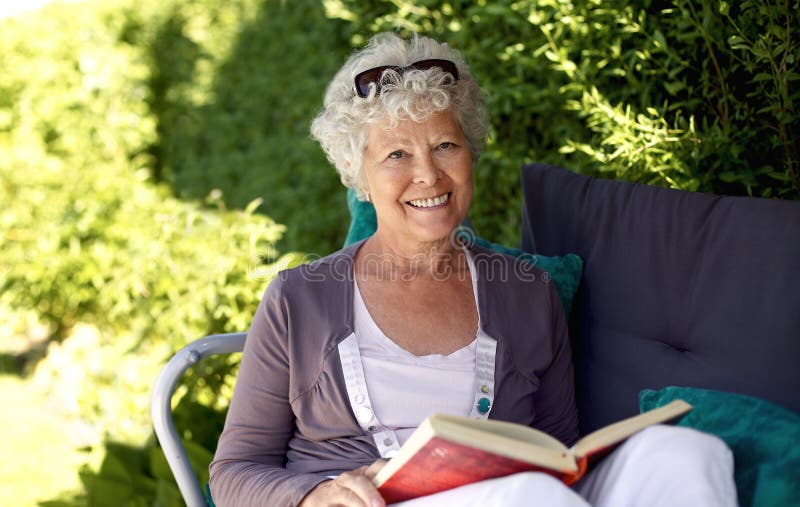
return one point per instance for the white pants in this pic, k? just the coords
(665, 466)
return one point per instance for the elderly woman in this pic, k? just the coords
(348, 355)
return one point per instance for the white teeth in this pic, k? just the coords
(429, 203)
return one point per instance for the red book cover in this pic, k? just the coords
(441, 465)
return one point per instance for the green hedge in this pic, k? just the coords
(121, 271)
(696, 95)
(234, 88)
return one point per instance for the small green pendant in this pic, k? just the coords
(483, 405)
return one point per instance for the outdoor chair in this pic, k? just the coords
(161, 408)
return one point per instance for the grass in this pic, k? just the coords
(40, 458)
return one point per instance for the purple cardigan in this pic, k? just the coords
(290, 423)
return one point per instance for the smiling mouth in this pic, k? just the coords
(433, 202)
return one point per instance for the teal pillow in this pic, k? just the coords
(209, 500)
(363, 221)
(564, 271)
(764, 438)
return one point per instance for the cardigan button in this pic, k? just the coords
(363, 414)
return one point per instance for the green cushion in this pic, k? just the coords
(564, 271)
(209, 500)
(363, 221)
(764, 438)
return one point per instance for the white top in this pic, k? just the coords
(403, 388)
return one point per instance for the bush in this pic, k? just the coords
(122, 272)
(139, 475)
(695, 95)
(234, 87)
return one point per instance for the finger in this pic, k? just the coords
(362, 487)
(372, 470)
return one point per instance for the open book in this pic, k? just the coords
(449, 451)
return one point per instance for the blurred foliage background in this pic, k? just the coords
(156, 171)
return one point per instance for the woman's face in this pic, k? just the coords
(419, 177)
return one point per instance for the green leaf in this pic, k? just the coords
(729, 177)
(168, 495)
(102, 491)
(159, 466)
(253, 205)
(200, 458)
(674, 87)
(118, 467)
(735, 40)
(659, 37)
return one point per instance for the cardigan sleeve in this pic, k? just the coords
(554, 401)
(249, 465)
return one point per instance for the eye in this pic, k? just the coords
(447, 145)
(396, 154)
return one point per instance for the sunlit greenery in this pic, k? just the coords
(696, 95)
(233, 86)
(156, 168)
(45, 454)
(119, 272)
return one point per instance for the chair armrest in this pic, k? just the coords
(161, 408)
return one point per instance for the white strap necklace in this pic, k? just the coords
(385, 438)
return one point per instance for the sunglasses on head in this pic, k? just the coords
(373, 76)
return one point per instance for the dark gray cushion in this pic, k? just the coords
(679, 288)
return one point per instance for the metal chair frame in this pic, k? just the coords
(161, 408)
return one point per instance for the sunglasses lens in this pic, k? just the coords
(369, 77)
(445, 65)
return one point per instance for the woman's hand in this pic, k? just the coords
(351, 489)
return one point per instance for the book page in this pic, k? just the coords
(508, 439)
(489, 427)
(619, 431)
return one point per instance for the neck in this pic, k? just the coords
(377, 256)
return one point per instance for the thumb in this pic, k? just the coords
(372, 470)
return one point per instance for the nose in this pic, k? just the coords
(426, 172)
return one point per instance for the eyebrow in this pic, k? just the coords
(404, 141)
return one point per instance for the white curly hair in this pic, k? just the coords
(414, 94)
